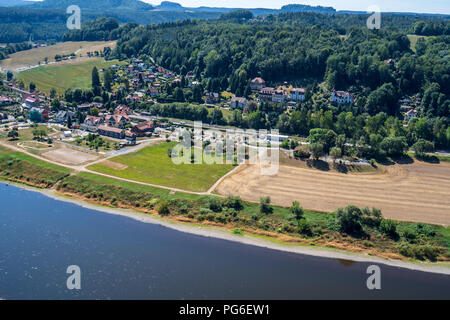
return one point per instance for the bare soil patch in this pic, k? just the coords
(69, 156)
(417, 192)
(114, 165)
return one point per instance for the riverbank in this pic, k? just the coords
(254, 240)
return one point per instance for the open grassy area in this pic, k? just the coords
(413, 40)
(153, 165)
(34, 56)
(16, 166)
(62, 77)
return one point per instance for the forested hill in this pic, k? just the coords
(378, 67)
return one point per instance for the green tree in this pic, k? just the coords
(296, 210)
(423, 146)
(316, 150)
(349, 219)
(394, 146)
(264, 205)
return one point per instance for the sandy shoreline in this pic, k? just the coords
(213, 232)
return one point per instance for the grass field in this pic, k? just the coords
(153, 165)
(34, 56)
(62, 77)
(413, 40)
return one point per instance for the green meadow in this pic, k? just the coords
(153, 165)
(64, 76)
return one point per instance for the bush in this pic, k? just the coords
(296, 210)
(238, 231)
(215, 204)
(234, 202)
(389, 228)
(349, 219)
(264, 205)
(163, 208)
(304, 227)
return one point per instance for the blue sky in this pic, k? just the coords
(429, 6)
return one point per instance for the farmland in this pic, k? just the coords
(32, 57)
(413, 192)
(62, 77)
(153, 165)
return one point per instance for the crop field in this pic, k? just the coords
(418, 192)
(153, 165)
(32, 57)
(62, 77)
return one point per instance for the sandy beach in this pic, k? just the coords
(215, 232)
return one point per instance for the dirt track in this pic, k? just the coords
(411, 192)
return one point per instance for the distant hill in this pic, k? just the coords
(100, 5)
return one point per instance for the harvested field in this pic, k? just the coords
(69, 156)
(417, 192)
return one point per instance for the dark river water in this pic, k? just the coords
(121, 258)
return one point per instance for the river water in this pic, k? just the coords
(121, 258)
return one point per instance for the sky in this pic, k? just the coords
(428, 6)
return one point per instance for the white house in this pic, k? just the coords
(297, 94)
(341, 97)
(238, 102)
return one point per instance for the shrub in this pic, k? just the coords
(349, 219)
(389, 228)
(264, 205)
(238, 231)
(304, 227)
(163, 208)
(215, 204)
(296, 210)
(233, 202)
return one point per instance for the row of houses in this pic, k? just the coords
(280, 95)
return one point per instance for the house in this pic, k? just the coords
(297, 94)
(117, 120)
(62, 116)
(31, 101)
(154, 92)
(410, 114)
(123, 109)
(341, 97)
(4, 101)
(212, 97)
(111, 132)
(266, 93)
(257, 84)
(279, 96)
(91, 123)
(190, 75)
(238, 102)
(143, 128)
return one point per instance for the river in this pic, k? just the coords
(122, 258)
